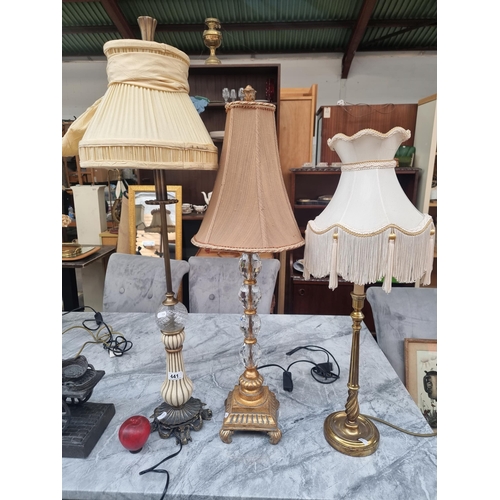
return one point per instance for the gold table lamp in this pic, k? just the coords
(249, 212)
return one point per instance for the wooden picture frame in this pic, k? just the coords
(421, 376)
(141, 216)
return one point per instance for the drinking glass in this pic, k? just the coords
(241, 94)
(233, 95)
(225, 94)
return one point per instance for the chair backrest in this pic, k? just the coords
(405, 312)
(135, 283)
(214, 284)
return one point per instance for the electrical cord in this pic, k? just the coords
(325, 370)
(321, 372)
(113, 342)
(163, 471)
(431, 434)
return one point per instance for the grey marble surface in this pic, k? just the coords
(301, 466)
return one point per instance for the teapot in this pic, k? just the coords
(207, 196)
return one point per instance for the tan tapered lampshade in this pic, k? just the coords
(249, 210)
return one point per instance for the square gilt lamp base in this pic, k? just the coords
(262, 417)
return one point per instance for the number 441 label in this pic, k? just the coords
(175, 375)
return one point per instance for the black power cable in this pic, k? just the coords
(321, 372)
(115, 344)
(163, 471)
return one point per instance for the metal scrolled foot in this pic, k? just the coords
(274, 436)
(226, 436)
(168, 420)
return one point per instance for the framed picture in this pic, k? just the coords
(145, 226)
(421, 376)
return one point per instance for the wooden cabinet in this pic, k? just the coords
(296, 129)
(208, 81)
(426, 159)
(426, 148)
(350, 119)
(313, 296)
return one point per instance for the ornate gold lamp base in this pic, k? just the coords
(360, 440)
(168, 420)
(242, 415)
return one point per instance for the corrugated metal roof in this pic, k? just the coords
(256, 26)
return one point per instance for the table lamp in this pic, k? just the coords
(147, 120)
(370, 231)
(249, 212)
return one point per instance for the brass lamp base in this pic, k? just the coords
(359, 440)
(168, 420)
(261, 416)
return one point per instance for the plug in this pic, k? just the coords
(98, 318)
(324, 369)
(287, 381)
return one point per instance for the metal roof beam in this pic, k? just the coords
(357, 35)
(297, 25)
(116, 15)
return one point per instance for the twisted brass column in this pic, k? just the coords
(348, 431)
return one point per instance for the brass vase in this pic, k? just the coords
(212, 39)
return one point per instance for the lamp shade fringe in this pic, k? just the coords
(364, 259)
(334, 279)
(430, 260)
(387, 286)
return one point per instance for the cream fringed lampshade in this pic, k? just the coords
(249, 210)
(370, 230)
(146, 118)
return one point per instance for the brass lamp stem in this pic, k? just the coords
(250, 406)
(348, 431)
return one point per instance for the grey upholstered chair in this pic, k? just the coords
(214, 283)
(402, 313)
(135, 283)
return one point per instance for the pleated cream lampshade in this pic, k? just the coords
(370, 230)
(146, 118)
(249, 210)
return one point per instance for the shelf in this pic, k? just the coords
(433, 204)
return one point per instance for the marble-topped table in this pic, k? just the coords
(301, 466)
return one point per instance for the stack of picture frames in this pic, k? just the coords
(421, 376)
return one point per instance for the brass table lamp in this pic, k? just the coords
(369, 231)
(147, 120)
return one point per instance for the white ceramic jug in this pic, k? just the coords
(207, 196)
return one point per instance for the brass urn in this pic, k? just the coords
(212, 38)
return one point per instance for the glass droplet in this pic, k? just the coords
(250, 355)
